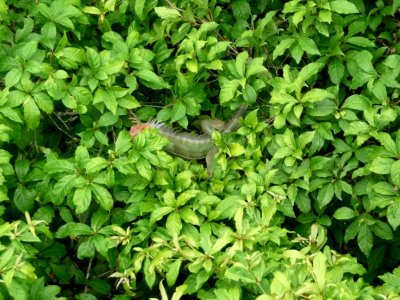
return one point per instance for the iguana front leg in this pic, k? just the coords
(208, 126)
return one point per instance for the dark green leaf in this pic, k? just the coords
(73, 229)
(365, 238)
(382, 230)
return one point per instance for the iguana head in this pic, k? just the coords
(136, 129)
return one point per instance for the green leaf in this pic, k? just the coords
(107, 119)
(151, 80)
(39, 292)
(6, 257)
(28, 50)
(379, 90)
(184, 197)
(139, 8)
(144, 168)
(102, 196)
(344, 213)
(395, 173)
(316, 95)
(357, 102)
(381, 165)
(24, 198)
(160, 212)
(91, 10)
(384, 188)
(31, 113)
(307, 72)
(215, 65)
(96, 164)
(255, 66)
(392, 280)
(123, 142)
(382, 230)
(82, 198)
(216, 49)
(386, 141)
(189, 216)
(393, 214)
(305, 138)
(44, 102)
(100, 286)
(101, 137)
(361, 41)
(173, 272)
(324, 108)
(174, 224)
(249, 94)
(343, 7)
(13, 77)
(280, 283)
(93, 58)
(228, 91)
(166, 12)
(221, 243)
(240, 64)
(336, 71)
(73, 229)
(178, 111)
(241, 9)
(365, 239)
(60, 166)
(282, 46)
(11, 114)
(48, 35)
(236, 149)
(308, 45)
(86, 249)
(325, 195)
(21, 168)
(319, 269)
(240, 274)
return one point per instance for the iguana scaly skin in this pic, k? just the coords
(191, 146)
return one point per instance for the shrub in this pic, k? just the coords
(304, 201)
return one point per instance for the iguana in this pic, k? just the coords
(190, 146)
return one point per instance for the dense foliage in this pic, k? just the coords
(304, 201)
